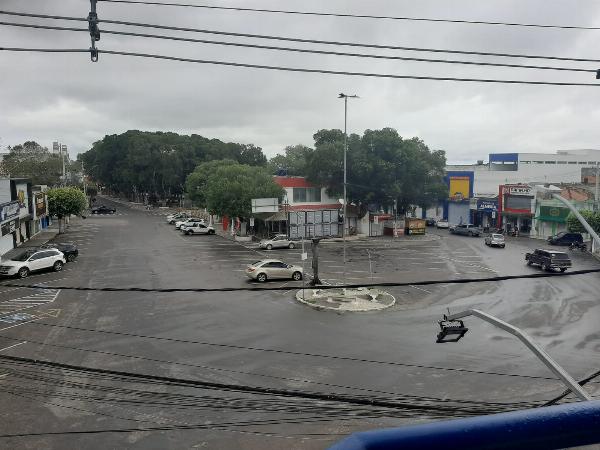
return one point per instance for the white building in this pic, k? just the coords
(564, 166)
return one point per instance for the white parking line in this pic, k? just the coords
(13, 346)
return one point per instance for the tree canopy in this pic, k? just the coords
(591, 217)
(31, 160)
(228, 188)
(382, 168)
(196, 182)
(65, 201)
(158, 163)
(293, 161)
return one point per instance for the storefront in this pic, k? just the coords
(484, 212)
(9, 224)
(40, 219)
(23, 195)
(550, 219)
(515, 202)
(460, 189)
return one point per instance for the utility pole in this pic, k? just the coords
(597, 201)
(344, 227)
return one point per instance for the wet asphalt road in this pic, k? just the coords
(264, 338)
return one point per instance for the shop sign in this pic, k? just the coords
(9, 210)
(40, 204)
(10, 227)
(487, 205)
(553, 214)
(519, 190)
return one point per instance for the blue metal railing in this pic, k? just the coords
(554, 427)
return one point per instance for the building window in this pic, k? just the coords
(562, 162)
(525, 162)
(592, 162)
(572, 162)
(550, 162)
(538, 162)
(582, 162)
(307, 195)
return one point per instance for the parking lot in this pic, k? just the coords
(268, 339)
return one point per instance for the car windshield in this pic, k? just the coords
(497, 236)
(256, 263)
(559, 256)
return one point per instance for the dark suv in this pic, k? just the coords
(549, 259)
(565, 238)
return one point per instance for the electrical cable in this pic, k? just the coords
(288, 352)
(295, 380)
(322, 287)
(310, 41)
(308, 51)
(582, 382)
(328, 397)
(359, 16)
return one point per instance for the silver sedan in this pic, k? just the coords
(496, 240)
(272, 268)
(279, 241)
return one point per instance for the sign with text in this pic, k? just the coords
(10, 227)
(9, 210)
(487, 205)
(519, 190)
(40, 204)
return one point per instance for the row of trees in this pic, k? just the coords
(383, 169)
(158, 163)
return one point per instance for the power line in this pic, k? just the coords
(358, 16)
(301, 50)
(310, 41)
(45, 50)
(329, 397)
(288, 352)
(583, 382)
(324, 287)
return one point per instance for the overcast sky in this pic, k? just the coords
(65, 97)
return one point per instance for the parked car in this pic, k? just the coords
(442, 223)
(272, 268)
(495, 240)
(68, 249)
(279, 241)
(466, 230)
(25, 261)
(178, 223)
(172, 218)
(196, 228)
(430, 222)
(549, 259)
(103, 210)
(565, 238)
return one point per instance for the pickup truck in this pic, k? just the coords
(196, 228)
(549, 259)
(466, 230)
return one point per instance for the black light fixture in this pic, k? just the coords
(598, 74)
(450, 330)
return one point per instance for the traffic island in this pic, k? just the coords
(346, 299)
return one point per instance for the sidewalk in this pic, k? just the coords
(42, 237)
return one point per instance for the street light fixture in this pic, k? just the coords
(458, 329)
(345, 97)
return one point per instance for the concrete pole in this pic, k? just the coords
(538, 351)
(597, 187)
(344, 228)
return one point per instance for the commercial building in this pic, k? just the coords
(15, 212)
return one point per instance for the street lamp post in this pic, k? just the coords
(345, 97)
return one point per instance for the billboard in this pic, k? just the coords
(9, 210)
(40, 204)
(265, 205)
(459, 187)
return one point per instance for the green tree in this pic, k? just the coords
(31, 160)
(591, 217)
(195, 183)
(294, 160)
(231, 188)
(63, 202)
(382, 167)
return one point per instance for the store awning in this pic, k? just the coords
(277, 217)
(553, 214)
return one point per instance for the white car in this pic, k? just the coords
(196, 228)
(495, 239)
(172, 218)
(279, 241)
(442, 223)
(25, 261)
(272, 268)
(189, 219)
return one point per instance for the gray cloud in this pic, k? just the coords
(66, 97)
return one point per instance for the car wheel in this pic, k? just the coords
(71, 258)
(562, 269)
(502, 246)
(470, 234)
(291, 245)
(269, 247)
(112, 212)
(296, 276)
(528, 262)
(187, 232)
(261, 277)
(23, 272)
(211, 231)
(545, 267)
(58, 266)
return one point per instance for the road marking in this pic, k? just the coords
(13, 346)
(48, 295)
(420, 289)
